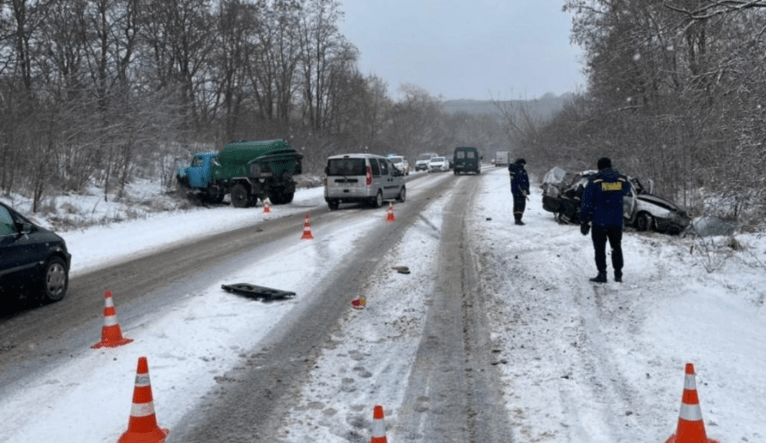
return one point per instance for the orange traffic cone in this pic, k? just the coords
(111, 334)
(390, 217)
(691, 428)
(266, 207)
(359, 303)
(307, 229)
(378, 426)
(142, 425)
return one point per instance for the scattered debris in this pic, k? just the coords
(401, 269)
(258, 291)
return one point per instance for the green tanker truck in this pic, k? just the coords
(247, 170)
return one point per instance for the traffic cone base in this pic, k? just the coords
(111, 334)
(359, 303)
(142, 425)
(307, 235)
(390, 217)
(691, 427)
(378, 426)
(266, 207)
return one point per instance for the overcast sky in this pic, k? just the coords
(473, 49)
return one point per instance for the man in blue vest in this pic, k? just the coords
(601, 207)
(519, 188)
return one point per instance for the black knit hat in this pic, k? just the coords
(604, 163)
(521, 161)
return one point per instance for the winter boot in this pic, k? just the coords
(518, 220)
(618, 276)
(600, 278)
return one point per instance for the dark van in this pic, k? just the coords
(466, 159)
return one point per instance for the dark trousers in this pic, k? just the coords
(600, 234)
(519, 204)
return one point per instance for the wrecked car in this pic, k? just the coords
(562, 192)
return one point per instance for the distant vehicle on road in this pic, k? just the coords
(400, 163)
(421, 164)
(502, 158)
(467, 159)
(438, 164)
(33, 260)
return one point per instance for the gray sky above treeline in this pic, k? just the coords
(466, 49)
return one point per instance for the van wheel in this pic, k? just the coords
(644, 222)
(56, 280)
(402, 195)
(377, 202)
(239, 196)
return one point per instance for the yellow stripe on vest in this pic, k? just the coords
(611, 186)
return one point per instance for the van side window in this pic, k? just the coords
(383, 167)
(374, 166)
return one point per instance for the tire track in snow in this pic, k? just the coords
(452, 393)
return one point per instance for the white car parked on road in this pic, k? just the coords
(438, 164)
(401, 164)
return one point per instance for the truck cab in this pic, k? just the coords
(200, 172)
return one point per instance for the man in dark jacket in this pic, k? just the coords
(601, 206)
(519, 188)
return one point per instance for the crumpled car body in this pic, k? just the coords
(562, 192)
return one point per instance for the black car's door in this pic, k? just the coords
(19, 252)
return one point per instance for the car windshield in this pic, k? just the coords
(396, 159)
(437, 160)
(346, 166)
(425, 157)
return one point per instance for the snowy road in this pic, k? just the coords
(496, 335)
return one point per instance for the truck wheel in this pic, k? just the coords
(333, 205)
(239, 196)
(644, 222)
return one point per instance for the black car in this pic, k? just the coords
(34, 262)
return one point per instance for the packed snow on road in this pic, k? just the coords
(580, 362)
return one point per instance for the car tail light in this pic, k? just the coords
(369, 176)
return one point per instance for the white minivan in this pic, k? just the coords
(366, 178)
